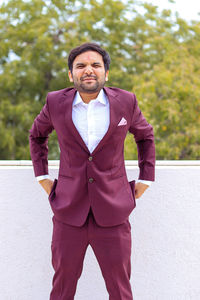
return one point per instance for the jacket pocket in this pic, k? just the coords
(132, 186)
(52, 193)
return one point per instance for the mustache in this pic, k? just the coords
(88, 77)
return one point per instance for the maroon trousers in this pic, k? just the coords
(111, 246)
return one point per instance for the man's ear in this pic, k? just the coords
(106, 77)
(70, 76)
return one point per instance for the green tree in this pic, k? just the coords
(153, 54)
(170, 97)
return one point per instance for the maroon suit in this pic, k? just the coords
(94, 180)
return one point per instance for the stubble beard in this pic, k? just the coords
(89, 88)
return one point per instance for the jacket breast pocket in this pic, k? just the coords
(120, 129)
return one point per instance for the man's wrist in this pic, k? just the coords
(147, 182)
(42, 177)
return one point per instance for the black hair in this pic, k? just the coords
(88, 47)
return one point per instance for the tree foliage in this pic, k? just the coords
(153, 54)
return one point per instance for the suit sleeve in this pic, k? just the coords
(144, 138)
(38, 140)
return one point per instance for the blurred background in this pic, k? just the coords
(155, 53)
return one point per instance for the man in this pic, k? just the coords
(92, 199)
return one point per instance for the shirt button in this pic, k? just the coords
(90, 158)
(91, 180)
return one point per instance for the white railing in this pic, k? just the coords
(127, 163)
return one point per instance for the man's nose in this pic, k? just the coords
(88, 70)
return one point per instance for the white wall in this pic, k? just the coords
(165, 237)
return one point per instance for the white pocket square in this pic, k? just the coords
(122, 122)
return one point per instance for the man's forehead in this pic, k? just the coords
(88, 56)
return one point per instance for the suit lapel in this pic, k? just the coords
(67, 108)
(115, 116)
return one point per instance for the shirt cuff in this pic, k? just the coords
(42, 177)
(147, 182)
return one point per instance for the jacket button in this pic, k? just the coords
(90, 158)
(91, 180)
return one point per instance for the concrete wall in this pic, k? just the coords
(165, 237)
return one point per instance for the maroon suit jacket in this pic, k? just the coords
(96, 179)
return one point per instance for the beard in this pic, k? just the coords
(89, 87)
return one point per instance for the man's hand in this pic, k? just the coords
(140, 188)
(47, 185)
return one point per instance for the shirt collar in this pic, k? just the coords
(100, 98)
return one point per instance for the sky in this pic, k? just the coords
(187, 9)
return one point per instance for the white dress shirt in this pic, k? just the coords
(92, 121)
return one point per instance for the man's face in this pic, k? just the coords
(88, 74)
